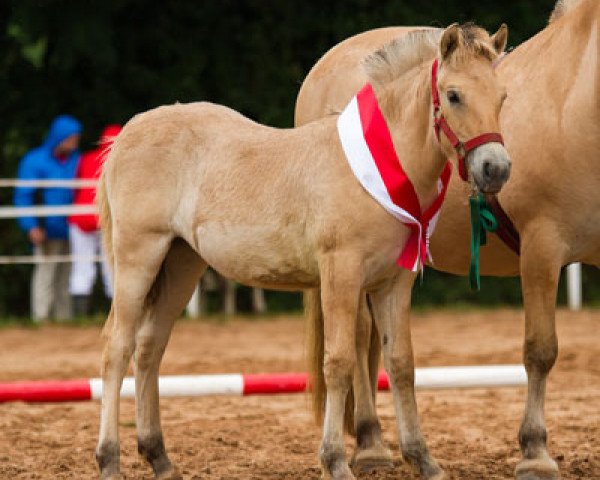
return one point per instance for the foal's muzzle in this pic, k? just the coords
(489, 165)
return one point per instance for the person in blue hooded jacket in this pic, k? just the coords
(55, 159)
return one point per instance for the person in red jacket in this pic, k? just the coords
(84, 230)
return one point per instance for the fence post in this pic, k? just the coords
(574, 286)
(193, 306)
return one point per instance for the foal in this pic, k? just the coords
(187, 186)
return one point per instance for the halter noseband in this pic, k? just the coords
(439, 122)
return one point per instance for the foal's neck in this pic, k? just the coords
(406, 106)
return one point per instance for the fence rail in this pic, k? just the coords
(573, 271)
(9, 182)
(47, 211)
(35, 259)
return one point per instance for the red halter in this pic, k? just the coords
(462, 148)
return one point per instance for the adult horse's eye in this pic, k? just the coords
(453, 97)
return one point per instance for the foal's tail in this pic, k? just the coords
(106, 229)
(105, 220)
(315, 341)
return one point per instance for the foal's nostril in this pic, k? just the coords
(488, 170)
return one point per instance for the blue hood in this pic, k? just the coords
(61, 127)
(40, 164)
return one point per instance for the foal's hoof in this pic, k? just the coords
(441, 475)
(171, 474)
(432, 471)
(340, 472)
(537, 469)
(373, 458)
(113, 476)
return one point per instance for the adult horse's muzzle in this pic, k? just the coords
(489, 166)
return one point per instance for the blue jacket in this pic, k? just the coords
(40, 164)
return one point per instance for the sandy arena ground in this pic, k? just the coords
(471, 432)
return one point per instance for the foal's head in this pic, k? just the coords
(470, 98)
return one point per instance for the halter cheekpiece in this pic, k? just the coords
(440, 123)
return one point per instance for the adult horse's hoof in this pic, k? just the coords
(372, 458)
(537, 469)
(113, 476)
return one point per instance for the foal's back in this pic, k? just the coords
(232, 188)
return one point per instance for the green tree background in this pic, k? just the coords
(106, 61)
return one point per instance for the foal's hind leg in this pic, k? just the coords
(136, 265)
(340, 292)
(371, 451)
(170, 293)
(391, 309)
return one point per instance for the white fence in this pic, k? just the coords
(45, 211)
(573, 271)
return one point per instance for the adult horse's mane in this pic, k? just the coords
(561, 8)
(402, 54)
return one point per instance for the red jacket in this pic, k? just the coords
(90, 167)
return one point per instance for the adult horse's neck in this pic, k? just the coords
(406, 106)
(553, 78)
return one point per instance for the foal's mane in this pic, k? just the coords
(402, 54)
(561, 8)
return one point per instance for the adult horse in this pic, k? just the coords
(551, 125)
(187, 186)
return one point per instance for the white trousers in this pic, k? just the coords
(83, 272)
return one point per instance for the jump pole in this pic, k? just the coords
(489, 376)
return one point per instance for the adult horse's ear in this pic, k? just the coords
(500, 38)
(450, 41)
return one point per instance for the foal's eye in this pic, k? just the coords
(453, 97)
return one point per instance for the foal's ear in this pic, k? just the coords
(500, 38)
(451, 39)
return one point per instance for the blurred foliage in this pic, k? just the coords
(106, 61)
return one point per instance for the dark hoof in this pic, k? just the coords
(537, 469)
(334, 467)
(338, 474)
(377, 457)
(441, 475)
(172, 474)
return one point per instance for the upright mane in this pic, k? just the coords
(402, 54)
(561, 8)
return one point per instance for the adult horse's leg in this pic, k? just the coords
(391, 310)
(340, 292)
(370, 449)
(542, 255)
(170, 293)
(135, 268)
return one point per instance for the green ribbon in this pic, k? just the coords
(482, 221)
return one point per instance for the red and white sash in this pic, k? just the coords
(368, 146)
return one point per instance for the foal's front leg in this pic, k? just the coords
(391, 310)
(340, 291)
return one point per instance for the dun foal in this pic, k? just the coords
(187, 186)
(552, 197)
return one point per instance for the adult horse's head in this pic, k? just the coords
(467, 97)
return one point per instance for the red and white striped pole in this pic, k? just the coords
(257, 384)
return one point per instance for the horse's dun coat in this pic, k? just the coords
(186, 186)
(551, 127)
